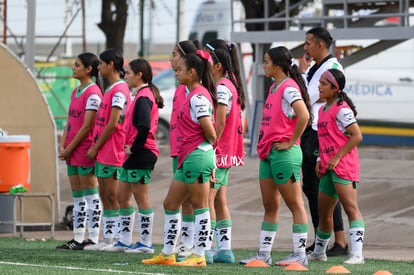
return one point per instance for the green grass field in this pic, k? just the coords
(18, 256)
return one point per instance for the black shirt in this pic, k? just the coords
(141, 158)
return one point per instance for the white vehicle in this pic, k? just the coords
(213, 20)
(382, 86)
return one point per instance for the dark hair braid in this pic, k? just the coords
(225, 61)
(227, 52)
(282, 57)
(340, 78)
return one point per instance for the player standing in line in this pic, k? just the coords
(109, 140)
(230, 151)
(285, 116)
(196, 161)
(141, 155)
(185, 248)
(76, 140)
(317, 44)
(338, 166)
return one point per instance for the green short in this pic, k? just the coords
(282, 165)
(326, 184)
(79, 170)
(174, 163)
(107, 171)
(197, 165)
(136, 175)
(223, 175)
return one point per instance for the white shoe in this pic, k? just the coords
(99, 246)
(116, 247)
(140, 248)
(183, 251)
(354, 260)
(265, 257)
(318, 257)
(294, 258)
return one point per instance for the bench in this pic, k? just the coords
(18, 197)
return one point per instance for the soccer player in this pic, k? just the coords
(338, 166)
(76, 140)
(285, 116)
(109, 140)
(230, 151)
(196, 161)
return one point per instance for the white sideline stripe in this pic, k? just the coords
(79, 268)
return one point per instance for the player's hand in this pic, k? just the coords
(127, 150)
(318, 169)
(282, 146)
(332, 163)
(92, 152)
(213, 178)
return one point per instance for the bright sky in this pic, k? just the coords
(50, 19)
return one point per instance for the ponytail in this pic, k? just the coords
(157, 95)
(344, 97)
(282, 57)
(236, 71)
(295, 74)
(226, 54)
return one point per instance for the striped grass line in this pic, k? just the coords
(78, 268)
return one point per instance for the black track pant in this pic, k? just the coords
(310, 146)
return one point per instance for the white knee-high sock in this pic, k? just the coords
(93, 213)
(187, 233)
(356, 236)
(202, 227)
(127, 217)
(109, 224)
(172, 228)
(79, 216)
(146, 223)
(267, 236)
(223, 233)
(321, 241)
(299, 239)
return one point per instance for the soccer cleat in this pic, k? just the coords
(140, 248)
(224, 256)
(293, 258)
(116, 247)
(193, 260)
(209, 256)
(183, 251)
(354, 260)
(317, 257)
(99, 246)
(263, 256)
(161, 259)
(337, 250)
(87, 242)
(71, 245)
